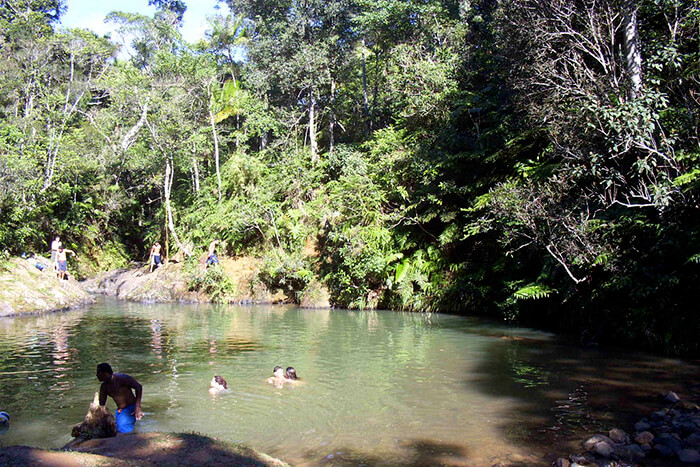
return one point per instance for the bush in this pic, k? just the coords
(212, 281)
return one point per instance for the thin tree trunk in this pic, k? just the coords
(312, 129)
(195, 169)
(633, 55)
(365, 99)
(69, 108)
(167, 186)
(331, 123)
(216, 142)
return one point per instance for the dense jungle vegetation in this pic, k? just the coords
(536, 161)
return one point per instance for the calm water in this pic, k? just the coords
(378, 387)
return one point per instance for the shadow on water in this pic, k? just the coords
(562, 393)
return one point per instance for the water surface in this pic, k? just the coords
(378, 387)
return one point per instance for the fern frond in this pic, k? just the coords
(533, 292)
(694, 259)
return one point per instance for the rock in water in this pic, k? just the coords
(97, 423)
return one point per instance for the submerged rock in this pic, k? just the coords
(642, 425)
(690, 456)
(693, 440)
(644, 437)
(672, 397)
(591, 443)
(669, 441)
(604, 448)
(619, 436)
(630, 453)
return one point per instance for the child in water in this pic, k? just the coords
(291, 374)
(218, 386)
(282, 376)
(277, 377)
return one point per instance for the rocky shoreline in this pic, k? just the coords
(29, 285)
(670, 436)
(141, 449)
(169, 284)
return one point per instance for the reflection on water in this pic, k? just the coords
(378, 387)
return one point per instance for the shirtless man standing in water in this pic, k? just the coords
(118, 386)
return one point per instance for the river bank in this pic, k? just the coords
(668, 436)
(30, 286)
(141, 449)
(236, 281)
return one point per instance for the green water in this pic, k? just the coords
(378, 387)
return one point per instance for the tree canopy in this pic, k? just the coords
(527, 160)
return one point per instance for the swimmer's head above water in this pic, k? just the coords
(290, 373)
(217, 385)
(219, 381)
(278, 372)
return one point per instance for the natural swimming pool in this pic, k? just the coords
(378, 387)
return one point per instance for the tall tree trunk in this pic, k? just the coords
(365, 100)
(167, 186)
(312, 128)
(633, 55)
(129, 139)
(195, 169)
(331, 123)
(69, 108)
(212, 122)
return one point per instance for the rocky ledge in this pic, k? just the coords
(141, 449)
(165, 284)
(169, 283)
(670, 436)
(29, 285)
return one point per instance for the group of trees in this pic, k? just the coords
(533, 160)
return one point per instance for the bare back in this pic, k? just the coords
(119, 389)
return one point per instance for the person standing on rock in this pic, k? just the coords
(55, 245)
(62, 260)
(119, 387)
(155, 259)
(212, 258)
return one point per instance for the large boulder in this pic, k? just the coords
(25, 288)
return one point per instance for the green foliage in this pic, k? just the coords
(212, 281)
(533, 292)
(291, 273)
(428, 156)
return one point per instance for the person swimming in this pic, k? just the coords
(278, 377)
(218, 386)
(291, 374)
